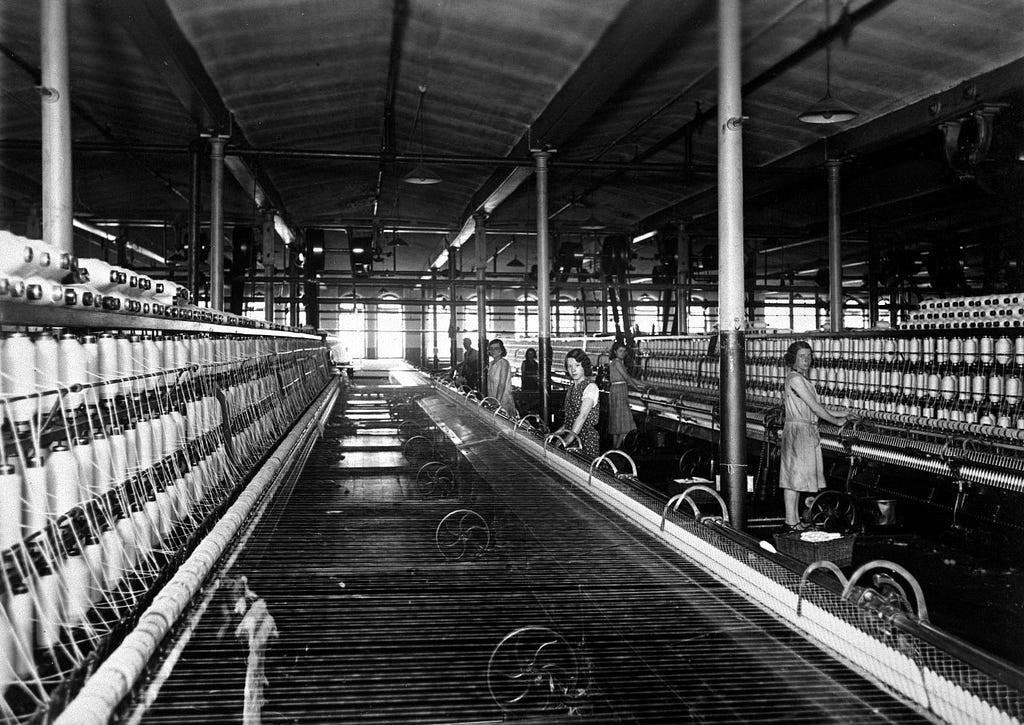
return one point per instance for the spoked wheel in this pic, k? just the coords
(694, 462)
(418, 449)
(534, 669)
(407, 429)
(462, 534)
(436, 479)
(833, 511)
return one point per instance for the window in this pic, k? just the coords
(390, 329)
(526, 317)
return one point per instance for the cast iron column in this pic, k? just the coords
(835, 255)
(216, 223)
(730, 262)
(55, 95)
(453, 323)
(480, 232)
(543, 284)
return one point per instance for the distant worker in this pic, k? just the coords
(801, 468)
(469, 369)
(499, 377)
(620, 417)
(529, 371)
(581, 409)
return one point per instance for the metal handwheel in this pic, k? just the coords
(535, 669)
(462, 534)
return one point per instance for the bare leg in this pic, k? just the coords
(617, 439)
(792, 500)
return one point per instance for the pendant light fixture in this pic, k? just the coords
(420, 175)
(514, 262)
(828, 109)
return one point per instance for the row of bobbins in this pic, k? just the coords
(138, 457)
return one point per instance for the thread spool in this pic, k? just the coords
(19, 372)
(152, 359)
(908, 384)
(995, 389)
(109, 366)
(1012, 390)
(10, 535)
(970, 350)
(71, 369)
(1018, 349)
(1003, 350)
(942, 349)
(986, 350)
(933, 385)
(47, 364)
(956, 350)
(978, 388)
(125, 364)
(949, 387)
(138, 362)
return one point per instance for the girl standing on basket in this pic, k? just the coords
(620, 417)
(581, 410)
(801, 468)
(499, 377)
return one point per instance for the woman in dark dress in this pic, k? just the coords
(529, 371)
(581, 409)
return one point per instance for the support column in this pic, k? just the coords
(55, 93)
(268, 266)
(873, 263)
(543, 284)
(731, 283)
(835, 254)
(195, 205)
(217, 223)
(480, 233)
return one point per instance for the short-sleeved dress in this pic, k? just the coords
(589, 439)
(620, 417)
(802, 468)
(495, 371)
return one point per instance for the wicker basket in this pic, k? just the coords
(839, 551)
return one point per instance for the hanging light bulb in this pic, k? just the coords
(828, 109)
(420, 175)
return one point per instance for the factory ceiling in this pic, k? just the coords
(328, 104)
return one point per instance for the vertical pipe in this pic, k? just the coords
(480, 232)
(195, 206)
(423, 329)
(543, 285)
(453, 323)
(268, 266)
(731, 284)
(217, 223)
(835, 255)
(433, 321)
(873, 262)
(293, 289)
(682, 289)
(55, 94)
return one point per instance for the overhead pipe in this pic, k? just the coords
(453, 324)
(217, 223)
(731, 284)
(55, 97)
(835, 252)
(541, 157)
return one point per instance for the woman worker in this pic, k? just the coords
(499, 377)
(529, 371)
(801, 468)
(581, 410)
(620, 417)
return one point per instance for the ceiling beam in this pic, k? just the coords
(640, 32)
(170, 55)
